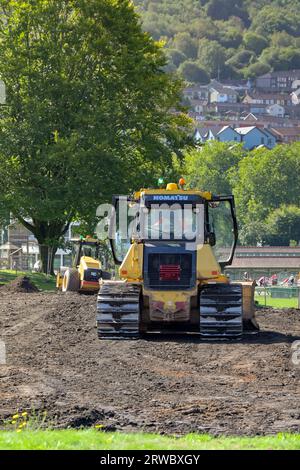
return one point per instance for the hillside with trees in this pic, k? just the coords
(266, 191)
(225, 39)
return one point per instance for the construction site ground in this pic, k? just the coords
(55, 363)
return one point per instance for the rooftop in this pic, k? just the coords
(245, 130)
(277, 257)
(282, 73)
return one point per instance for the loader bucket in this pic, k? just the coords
(249, 321)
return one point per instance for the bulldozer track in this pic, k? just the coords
(118, 311)
(221, 311)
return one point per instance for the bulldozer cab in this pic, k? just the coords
(172, 246)
(184, 217)
(84, 247)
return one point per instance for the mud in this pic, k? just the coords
(19, 285)
(56, 363)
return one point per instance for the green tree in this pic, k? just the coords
(281, 59)
(276, 19)
(255, 42)
(231, 38)
(192, 72)
(87, 110)
(210, 167)
(256, 69)
(282, 39)
(265, 181)
(223, 9)
(177, 57)
(241, 59)
(284, 225)
(186, 44)
(212, 57)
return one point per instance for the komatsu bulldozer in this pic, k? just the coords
(172, 259)
(86, 270)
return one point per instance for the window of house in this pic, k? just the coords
(262, 140)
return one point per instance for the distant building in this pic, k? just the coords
(287, 135)
(283, 99)
(196, 92)
(295, 97)
(250, 137)
(229, 134)
(20, 249)
(222, 94)
(253, 137)
(276, 110)
(285, 81)
(265, 261)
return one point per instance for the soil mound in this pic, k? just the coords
(20, 284)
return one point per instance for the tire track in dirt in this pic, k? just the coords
(56, 363)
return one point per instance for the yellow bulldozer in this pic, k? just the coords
(86, 270)
(172, 260)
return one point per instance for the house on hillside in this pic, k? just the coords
(295, 97)
(287, 135)
(222, 94)
(276, 110)
(250, 137)
(283, 99)
(253, 137)
(229, 134)
(196, 92)
(285, 81)
(206, 134)
(198, 106)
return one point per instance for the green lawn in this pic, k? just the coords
(92, 439)
(277, 303)
(42, 281)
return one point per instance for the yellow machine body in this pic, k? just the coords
(204, 300)
(86, 271)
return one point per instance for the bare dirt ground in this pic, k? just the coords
(56, 363)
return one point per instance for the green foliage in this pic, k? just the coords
(265, 184)
(256, 69)
(209, 168)
(42, 281)
(87, 110)
(176, 57)
(284, 225)
(286, 58)
(184, 43)
(255, 42)
(241, 59)
(224, 9)
(259, 26)
(212, 57)
(193, 73)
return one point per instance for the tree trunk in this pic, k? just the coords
(48, 235)
(47, 254)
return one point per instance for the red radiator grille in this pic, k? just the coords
(169, 272)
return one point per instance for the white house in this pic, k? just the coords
(222, 94)
(276, 110)
(296, 84)
(296, 97)
(253, 137)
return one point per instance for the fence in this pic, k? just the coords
(278, 296)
